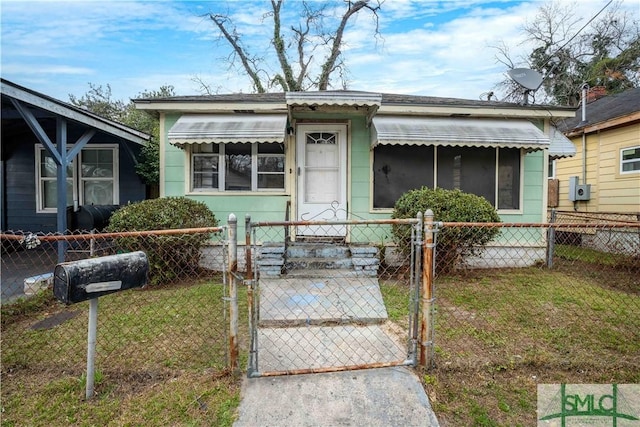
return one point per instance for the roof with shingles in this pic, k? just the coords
(387, 99)
(603, 109)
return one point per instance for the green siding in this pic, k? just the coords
(533, 188)
(272, 207)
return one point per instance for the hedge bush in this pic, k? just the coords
(453, 244)
(170, 256)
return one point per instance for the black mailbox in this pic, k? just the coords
(91, 278)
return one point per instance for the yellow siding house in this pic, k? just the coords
(604, 175)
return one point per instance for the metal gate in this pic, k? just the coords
(321, 303)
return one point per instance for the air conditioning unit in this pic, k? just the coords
(578, 192)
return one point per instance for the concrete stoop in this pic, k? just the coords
(276, 259)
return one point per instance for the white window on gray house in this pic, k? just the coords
(92, 178)
(97, 177)
(237, 167)
(492, 173)
(47, 191)
(630, 160)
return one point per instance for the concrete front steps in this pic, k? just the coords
(274, 259)
(321, 307)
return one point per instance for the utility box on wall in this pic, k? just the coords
(578, 192)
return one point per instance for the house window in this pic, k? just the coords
(398, 169)
(470, 169)
(552, 169)
(47, 191)
(630, 160)
(237, 167)
(508, 178)
(492, 173)
(97, 178)
(91, 178)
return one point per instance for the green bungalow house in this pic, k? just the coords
(349, 154)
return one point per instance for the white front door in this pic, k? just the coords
(322, 177)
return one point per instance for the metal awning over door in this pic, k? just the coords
(454, 131)
(228, 128)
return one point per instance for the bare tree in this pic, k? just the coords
(569, 52)
(297, 49)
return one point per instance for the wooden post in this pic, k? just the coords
(233, 293)
(426, 346)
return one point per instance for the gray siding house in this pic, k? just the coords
(47, 142)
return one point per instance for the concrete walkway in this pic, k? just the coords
(330, 320)
(368, 397)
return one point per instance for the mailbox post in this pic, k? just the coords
(89, 279)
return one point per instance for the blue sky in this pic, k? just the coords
(436, 48)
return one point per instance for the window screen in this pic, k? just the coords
(469, 169)
(508, 178)
(398, 169)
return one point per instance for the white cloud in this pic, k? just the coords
(429, 47)
(46, 69)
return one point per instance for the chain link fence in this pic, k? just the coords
(323, 303)
(177, 322)
(568, 217)
(556, 301)
(564, 296)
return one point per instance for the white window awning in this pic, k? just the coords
(228, 129)
(455, 131)
(561, 146)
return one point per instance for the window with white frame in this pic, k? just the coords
(551, 174)
(630, 160)
(493, 173)
(92, 178)
(237, 167)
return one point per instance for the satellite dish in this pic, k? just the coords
(529, 79)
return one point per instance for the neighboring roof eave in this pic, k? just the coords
(606, 124)
(618, 109)
(71, 112)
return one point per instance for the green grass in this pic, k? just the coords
(501, 332)
(396, 296)
(161, 358)
(578, 253)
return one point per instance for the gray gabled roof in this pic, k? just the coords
(607, 108)
(71, 112)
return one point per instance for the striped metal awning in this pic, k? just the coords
(456, 131)
(561, 146)
(228, 129)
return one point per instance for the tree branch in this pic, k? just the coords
(278, 44)
(233, 40)
(329, 66)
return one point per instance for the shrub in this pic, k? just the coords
(170, 256)
(453, 244)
